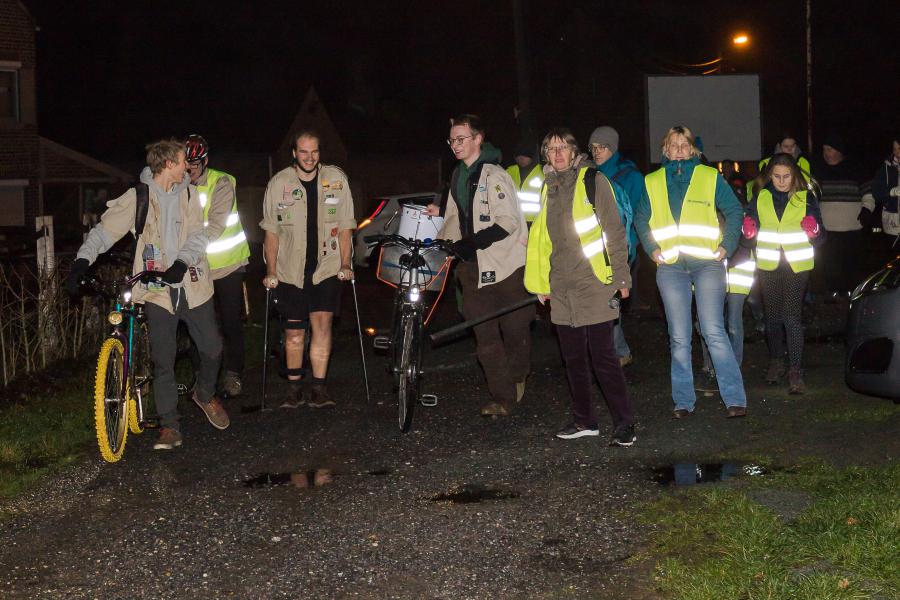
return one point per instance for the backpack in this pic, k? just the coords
(141, 206)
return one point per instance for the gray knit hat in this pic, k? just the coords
(605, 135)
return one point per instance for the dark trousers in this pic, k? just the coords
(782, 292)
(586, 349)
(842, 260)
(503, 344)
(229, 297)
(201, 324)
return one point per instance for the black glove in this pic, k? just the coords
(73, 281)
(465, 248)
(864, 217)
(175, 273)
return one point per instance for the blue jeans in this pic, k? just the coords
(619, 342)
(708, 281)
(734, 323)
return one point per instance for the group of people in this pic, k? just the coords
(564, 228)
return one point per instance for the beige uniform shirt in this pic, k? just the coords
(284, 214)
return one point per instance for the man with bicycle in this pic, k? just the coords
(484, 219)
(309, 223)
(173, 240)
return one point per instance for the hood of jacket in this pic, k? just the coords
(169, 213)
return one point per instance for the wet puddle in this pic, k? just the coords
(680, 474)
(301, 480)
(471, 493)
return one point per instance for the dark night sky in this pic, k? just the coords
(112, 77)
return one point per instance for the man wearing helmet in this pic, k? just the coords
(227, 253)
(308, 220)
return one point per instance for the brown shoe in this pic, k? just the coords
(168, 438)
(494, 409)
(214, 411)
(795, 382)
(626, 360)
(775, 371)
(319, 398)
(736, 412)
(681, 413)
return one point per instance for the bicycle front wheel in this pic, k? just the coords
(409, 369)
(111, 400)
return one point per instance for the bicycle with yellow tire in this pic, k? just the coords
(124, 368)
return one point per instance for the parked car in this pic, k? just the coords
(873, 334)
(385, 219)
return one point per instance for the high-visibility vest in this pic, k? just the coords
(801, 162)
(739, 278)
(590, 234)
(231, 248)
(697, 231)
(528, 190)
(786, 235)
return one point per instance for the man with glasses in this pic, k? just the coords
(309, 223)
(484, 219)
(227, 253)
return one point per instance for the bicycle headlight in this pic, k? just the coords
(114, 318)
(414, 294)
(126, 296)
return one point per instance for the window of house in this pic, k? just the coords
(9, 94)
(12, 202)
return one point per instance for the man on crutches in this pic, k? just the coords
(308, 222)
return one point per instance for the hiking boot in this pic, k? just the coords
(214, 412)
(623, 436)
(319, 398)
(626, 360)
(231, 384)
(295, 398)
(574, 430)
(168, 438)
(707, 383)
(735, 412)
(495, 409)
(775, 371)
(795, 381)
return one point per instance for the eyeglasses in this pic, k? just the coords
(598, 147)
(557, 149)
(457, 141)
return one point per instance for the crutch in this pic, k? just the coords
(265, 349)
(362, 350)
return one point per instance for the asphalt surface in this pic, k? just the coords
(397, 519)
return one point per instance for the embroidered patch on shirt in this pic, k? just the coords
(488, 276)
(332, 211)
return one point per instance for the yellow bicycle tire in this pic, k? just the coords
(109, 451)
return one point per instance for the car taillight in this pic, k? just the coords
(374, 214)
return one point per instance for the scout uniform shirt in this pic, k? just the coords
(284, 214)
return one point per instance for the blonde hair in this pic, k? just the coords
(680, 130)
(158, 153)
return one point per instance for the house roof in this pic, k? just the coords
(60, 163)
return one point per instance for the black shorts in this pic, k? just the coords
(295, 304)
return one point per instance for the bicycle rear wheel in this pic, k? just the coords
(111, 400)
(408, 369)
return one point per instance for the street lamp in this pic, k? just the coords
(740, 40)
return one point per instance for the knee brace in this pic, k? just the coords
(304, 324)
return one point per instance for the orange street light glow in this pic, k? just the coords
(740, 39)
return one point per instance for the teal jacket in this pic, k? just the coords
(678, 176)
(628, 185)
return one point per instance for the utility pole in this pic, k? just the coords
(809, 112)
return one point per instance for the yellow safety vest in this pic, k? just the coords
(697, 232)
(801, 162)
(785, 235)
(231, 248)
(590, 234)
(739, 279)
(528, 190)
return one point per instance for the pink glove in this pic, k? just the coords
(750, 230)
(810, 226)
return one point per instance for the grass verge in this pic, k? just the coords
(45, 422)
(717, 542)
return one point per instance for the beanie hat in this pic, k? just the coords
(835, 140)
(607, 136)
(526, 149)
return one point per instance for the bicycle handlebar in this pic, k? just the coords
(409, 244)
(142, 276)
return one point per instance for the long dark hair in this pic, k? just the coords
(784, 160)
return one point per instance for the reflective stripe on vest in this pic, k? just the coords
(786, 235)
(231, 247)
(528, 190)
(740, 277)
(590, 234)
(697, 232)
